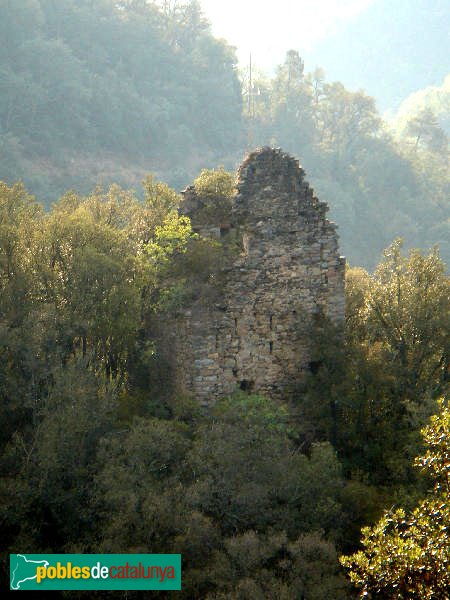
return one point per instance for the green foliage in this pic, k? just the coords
(425, 129)
(231, 494)
(46, 503)
(371, 393)
(306, 566)
(159, 197)
(98, 451)
(170, 237)
(137, 486)
(407, 556)
(378, 187)
(253, 410)
(433, 99)
(155, 89)
(201, 269)
(437, 438)
(100, 454)
(213, 183)
(216, 189)
(203, 260)
(408, 308)
(187, 266)
(104, 86)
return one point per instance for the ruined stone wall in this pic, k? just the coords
(289, 266)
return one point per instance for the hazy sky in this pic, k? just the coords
(268, 28)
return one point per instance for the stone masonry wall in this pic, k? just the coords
(289, 266)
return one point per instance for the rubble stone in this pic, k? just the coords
(288, 266)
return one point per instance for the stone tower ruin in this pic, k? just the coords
(288, 266)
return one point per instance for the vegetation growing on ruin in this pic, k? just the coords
(215, 188)
(100, 454)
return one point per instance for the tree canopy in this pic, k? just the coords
(101, 453)
(407, 555)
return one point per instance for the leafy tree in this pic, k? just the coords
(345, 120)
(215, 183)
(200, 485)
(408, 309)
(215, 188)
(291, 104)
(20, 220)
(247, 475)
(47, 468)
(425, 129)
(92, 277)
(138, 491)
(407, 555)
(271, 567)
(371, 395)
(160, 198)
(170, 237)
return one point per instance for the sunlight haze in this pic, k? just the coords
(268, 30)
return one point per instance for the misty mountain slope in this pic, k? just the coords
(101, 92)
(389, 50)
(129, 82)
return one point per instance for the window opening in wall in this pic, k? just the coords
(235, 326)
(271, 322)
(246, 385)
(314, 366)
(270, 347)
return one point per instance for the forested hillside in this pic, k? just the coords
(100, 91)
(99, 454)
(389, 49)
(96, 92)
